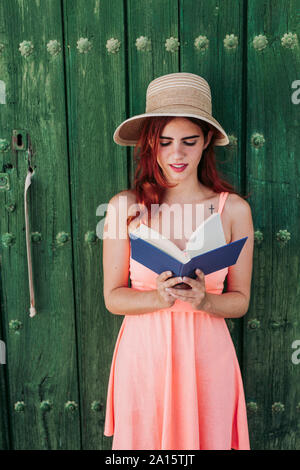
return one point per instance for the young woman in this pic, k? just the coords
(175, 381)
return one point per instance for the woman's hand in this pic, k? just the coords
(196, 296)
(163, 281)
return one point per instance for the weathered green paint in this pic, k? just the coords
(273, 179)
(88, 70)
(96, 96)
(42, 358)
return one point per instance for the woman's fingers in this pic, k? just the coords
(168, 281)
(161, 282)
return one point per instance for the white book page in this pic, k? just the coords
(208, 236)
(160, 241)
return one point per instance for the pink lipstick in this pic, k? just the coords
(178, 167)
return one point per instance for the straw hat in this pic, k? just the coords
(176, 94)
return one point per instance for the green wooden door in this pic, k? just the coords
(271, 327)
(42, 357)
(70, 72)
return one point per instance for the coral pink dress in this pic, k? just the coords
(175, 381)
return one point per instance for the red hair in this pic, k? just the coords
(150, 183)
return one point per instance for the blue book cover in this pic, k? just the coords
(159, 261)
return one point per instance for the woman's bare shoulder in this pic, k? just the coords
(126, 202)
(123, 201)
(238, 208)
(125, 193)
(235, 201)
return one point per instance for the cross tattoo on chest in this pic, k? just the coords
(211, 208)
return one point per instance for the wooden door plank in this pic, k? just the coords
(41, 356)
(97, 94)
(5, 431)
(271, 378)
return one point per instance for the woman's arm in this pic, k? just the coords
(226, 305)
(235, 302)
(119, 298)
(129, 301)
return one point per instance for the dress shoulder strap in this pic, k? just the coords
(222, 199)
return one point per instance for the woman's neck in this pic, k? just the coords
(181, 196)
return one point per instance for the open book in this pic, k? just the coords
(206, 249)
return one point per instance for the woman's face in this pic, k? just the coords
(180, 149)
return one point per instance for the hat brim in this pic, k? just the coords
(128, 132)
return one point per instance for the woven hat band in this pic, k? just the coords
(178, 96)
